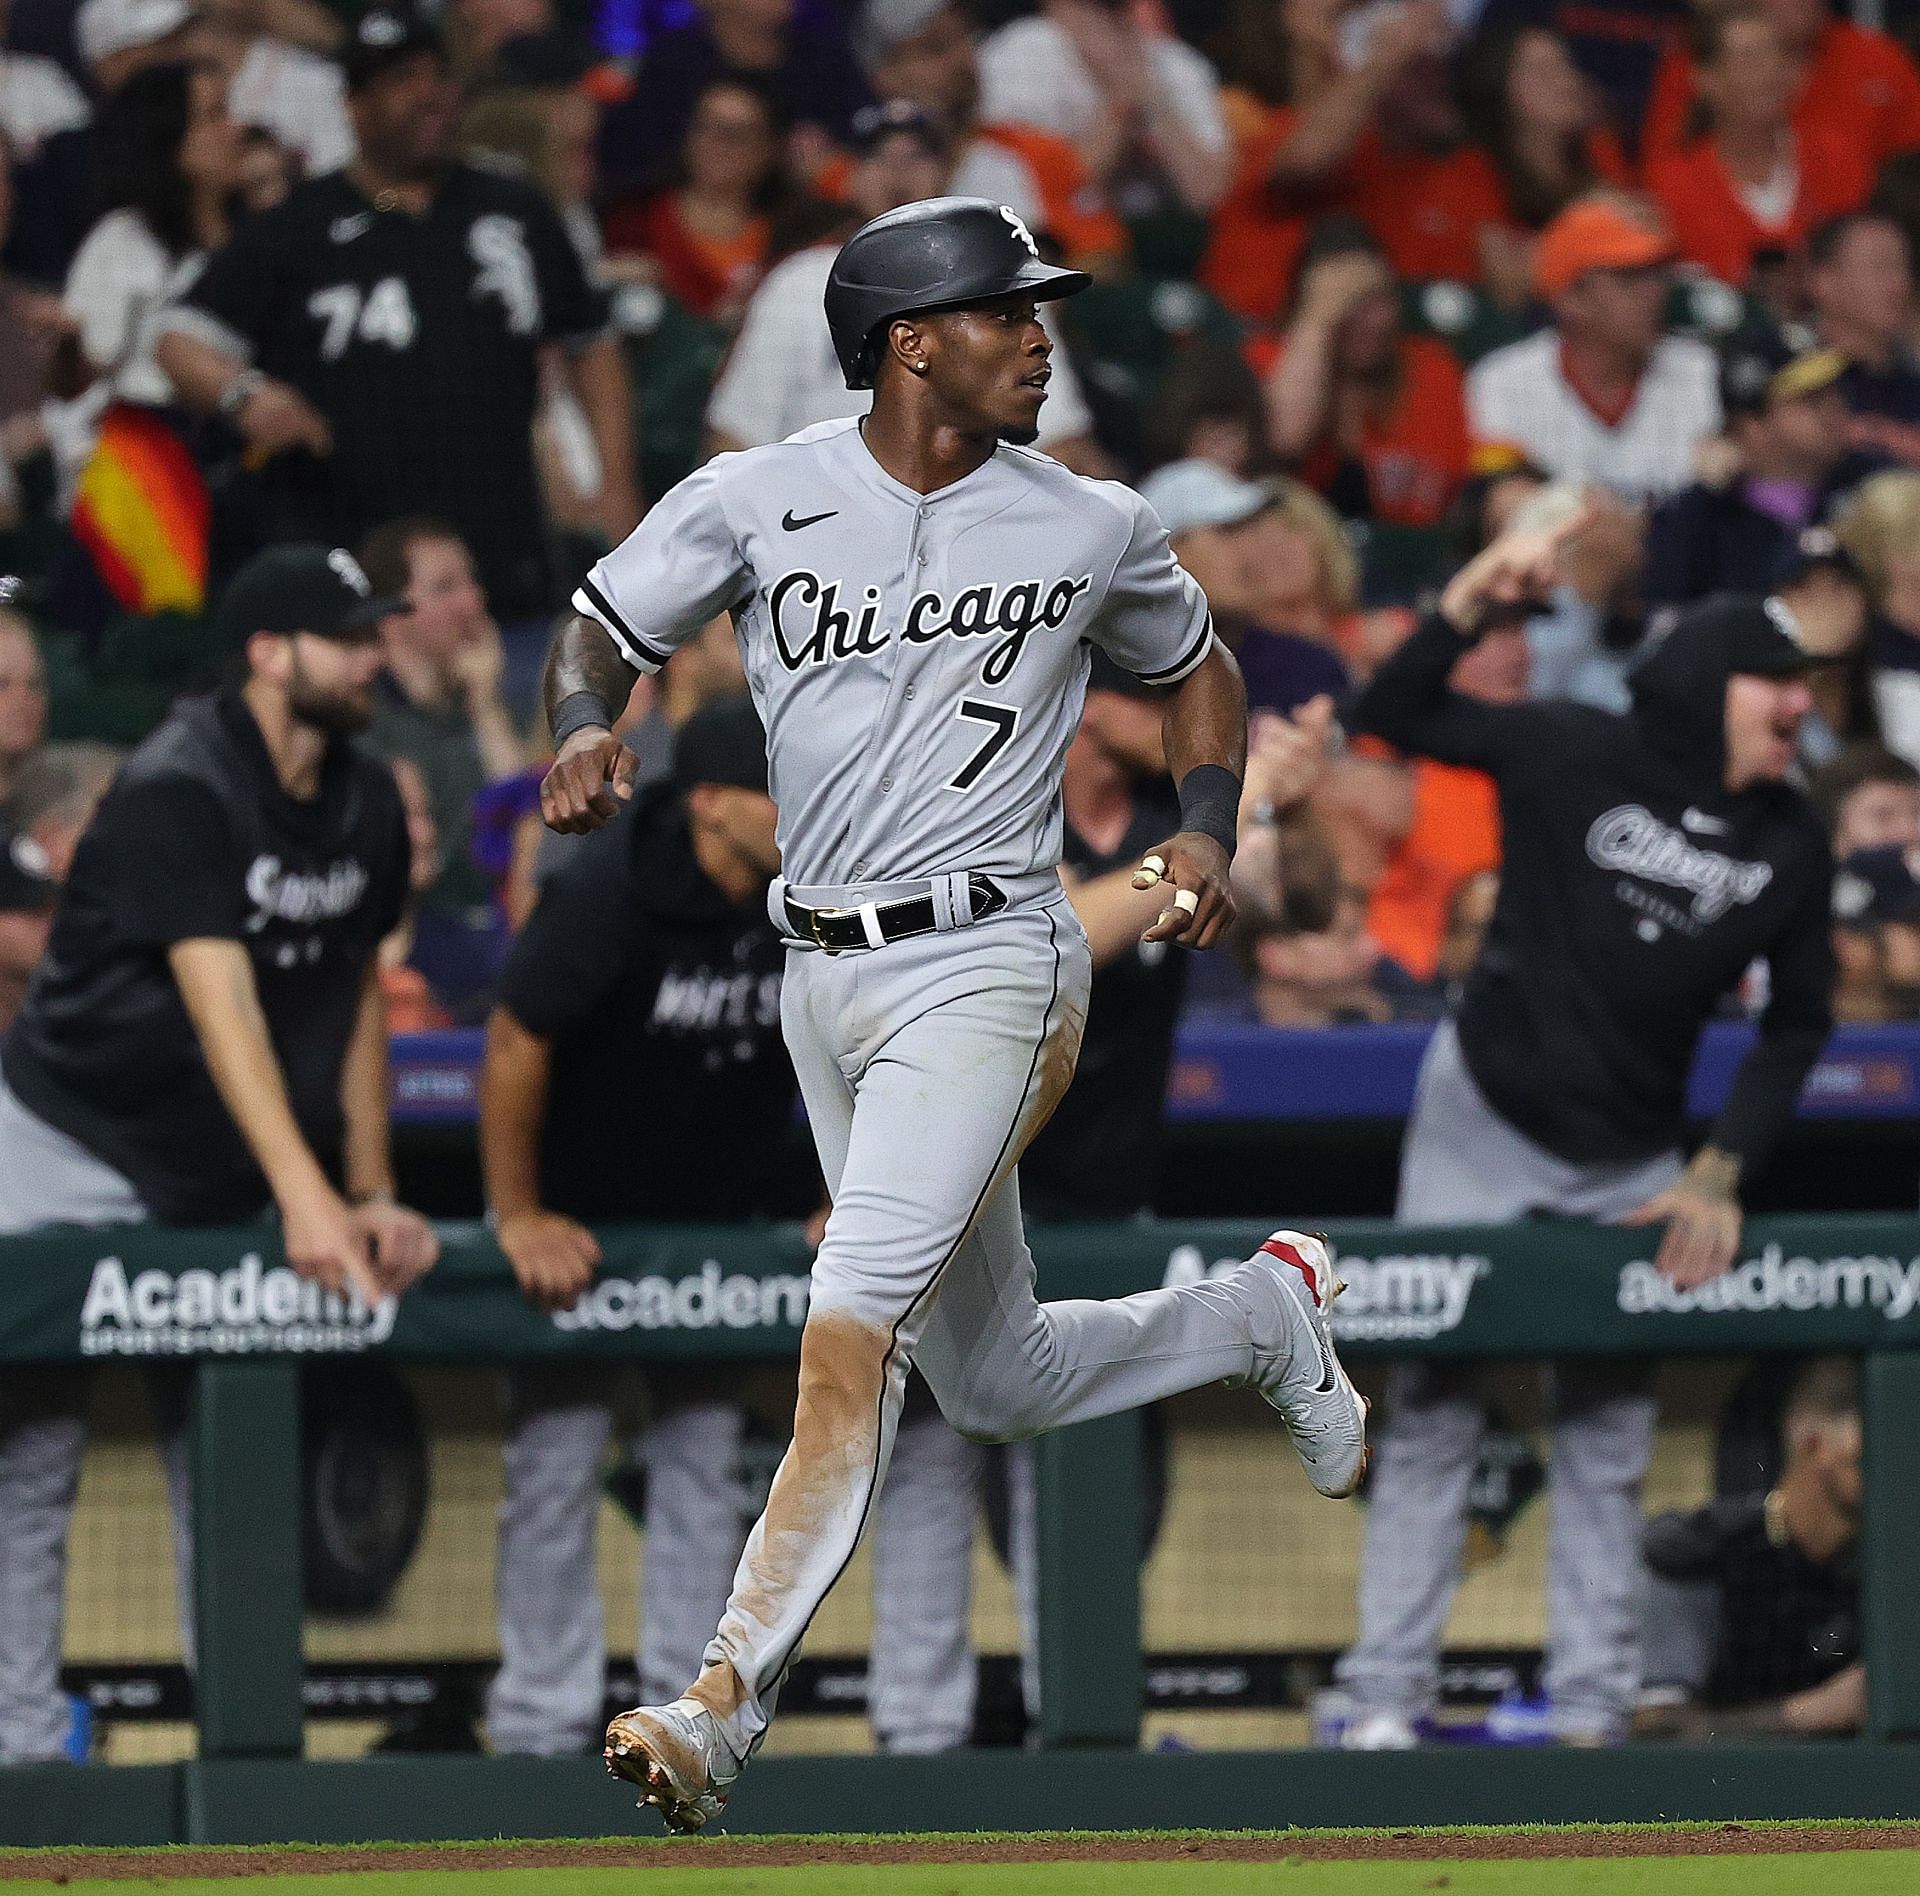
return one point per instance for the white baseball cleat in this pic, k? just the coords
(1324, 1413)
(1379, 1731)
(678, 1760)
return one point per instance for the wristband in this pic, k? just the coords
(1210, 804)
(580, 711)
(239, 392)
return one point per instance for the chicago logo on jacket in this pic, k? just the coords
(1631, 839)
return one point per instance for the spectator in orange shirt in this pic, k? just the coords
(709, 231)
(1382, 140)
(1531, 110)
(1850, 82)
(1275, 55)
(1752, 182)
(1453, 829)
(1374, 419)
(925, 51)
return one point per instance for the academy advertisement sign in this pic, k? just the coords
(705, 1293)
(707, 1299)
(249, 1309)
(1887, 1287)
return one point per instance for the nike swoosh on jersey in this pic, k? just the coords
(343, 230)
(811, 520)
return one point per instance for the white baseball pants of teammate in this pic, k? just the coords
(46, 1178)
(1464, 1164)
(548, 1698)
(922, 1673)
(926, 1066)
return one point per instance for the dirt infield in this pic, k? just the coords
(1412, 1846)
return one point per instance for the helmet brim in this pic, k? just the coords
(1044, 282)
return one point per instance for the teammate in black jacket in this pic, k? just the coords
(207, 1035)
(1649, 860)
(650, 968)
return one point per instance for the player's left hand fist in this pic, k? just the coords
(405, 1246)
(589, 780)
(1192, 869)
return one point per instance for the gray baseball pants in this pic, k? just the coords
(46, 1178)
(1464, 1164)
(546, 1698)
(926, 1067)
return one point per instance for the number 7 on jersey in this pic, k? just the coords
(1004, 719)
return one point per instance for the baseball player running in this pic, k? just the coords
(914, 595)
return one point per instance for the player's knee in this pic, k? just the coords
(989, 1417)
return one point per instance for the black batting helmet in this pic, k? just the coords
(942, 253)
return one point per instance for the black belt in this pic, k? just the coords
(835, 929)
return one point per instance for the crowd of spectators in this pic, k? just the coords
(460, 289)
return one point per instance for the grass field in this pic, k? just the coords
(1677, 1860)
(1849, 1873)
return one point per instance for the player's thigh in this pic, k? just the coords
(808, 1026)
(982, 1049)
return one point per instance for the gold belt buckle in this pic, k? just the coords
(815, 916)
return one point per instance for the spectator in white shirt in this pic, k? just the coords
(1604, 395)
(270, 54)
(37, 98)
(279, 87)
(782, 374)
(1142, 108)
(925, 51)
(119, 38)
(44, 118)
(169, 163)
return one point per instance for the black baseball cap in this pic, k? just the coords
(1760, 367)
(1816, 549)
(1877, 885)
(383, 37)
(304, 587)
(27, 884)
(1763, 639)
(873, 124)
(722, 742)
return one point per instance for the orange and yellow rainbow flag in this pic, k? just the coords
(141, 511)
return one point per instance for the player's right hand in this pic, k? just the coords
(589, 780)
(325, 1240)
(553, 1257)
(1197, 873)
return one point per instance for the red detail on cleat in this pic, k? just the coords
(1289, 1254)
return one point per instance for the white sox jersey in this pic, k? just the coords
(919, 660)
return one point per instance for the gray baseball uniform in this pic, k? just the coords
(919, 662)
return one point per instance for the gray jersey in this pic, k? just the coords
(919, 660)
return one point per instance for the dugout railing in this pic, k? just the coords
(225, 1304)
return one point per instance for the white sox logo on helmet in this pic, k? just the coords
(1020, 229)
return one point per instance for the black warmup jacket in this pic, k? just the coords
(1634, 893)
